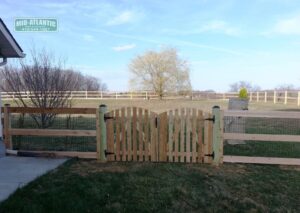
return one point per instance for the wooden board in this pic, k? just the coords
(188, 135)
(128, 131)
(176, 135)
(182, 131)
(141, 142)
(194, 135)
(98, 133)
(87, 155)
(118, 140)
(33, 110)
(134, 134)
(261, 160)
(171, 136)
(147, 136)
(153, 130)
(261, 137)
(123, 129)
(261, 114)
(52, 132)
(163, 137)
(110, 137)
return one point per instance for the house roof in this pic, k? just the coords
(9, 48)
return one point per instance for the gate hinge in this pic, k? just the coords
(108, 153)
(211, 155)
(210, 119)
(108, 117)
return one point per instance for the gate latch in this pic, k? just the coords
(211, 155)
(108, 153)
(210, 119)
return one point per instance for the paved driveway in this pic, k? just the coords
(16, 172)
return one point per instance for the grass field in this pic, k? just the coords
(88, 186)
(164, 105)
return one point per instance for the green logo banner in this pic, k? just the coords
(36, 24)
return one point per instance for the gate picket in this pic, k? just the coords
(123, 129)
(128, 126)
(200, 126)
(134, 139)
(182, 133)
(153, 134)
(117, 116)
(147, 137)
(176, 134)
(140, 131)
(188, 136)
(194, 135)
(163, 137)
(110, 137)
(171, 137)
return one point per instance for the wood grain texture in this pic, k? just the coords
(163, 137)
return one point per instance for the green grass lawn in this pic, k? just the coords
(89, 186)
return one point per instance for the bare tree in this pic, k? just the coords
(161, 72)
(92, 83)
(47, 85)
(235, 87)
(284, 87)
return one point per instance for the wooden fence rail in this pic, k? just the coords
(9, 132)
(262, 138)
(269, 96)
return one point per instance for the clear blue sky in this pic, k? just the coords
(225, 41)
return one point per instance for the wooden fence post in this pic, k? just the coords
(102, 143)
(250, 96)
(298, 103)
(217, 135)
(265, 97)
(274, 100)
(7, 126)
(257, 96)
(285, 97)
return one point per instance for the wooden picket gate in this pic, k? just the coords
(180, 135)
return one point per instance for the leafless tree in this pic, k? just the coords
(285, 87)
(92, 83)
(161, 72)
(235, 87)
(46, 82)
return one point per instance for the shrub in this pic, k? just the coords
(243, 93)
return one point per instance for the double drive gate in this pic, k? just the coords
(180, 135)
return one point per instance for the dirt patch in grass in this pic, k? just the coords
(85, 168)
(292, 168)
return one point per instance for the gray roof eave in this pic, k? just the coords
(13, 50)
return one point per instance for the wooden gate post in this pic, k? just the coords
(217, 135)
(102, 144)
(7, 126)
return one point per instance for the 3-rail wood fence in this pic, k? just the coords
(135, 134)
(268, 96)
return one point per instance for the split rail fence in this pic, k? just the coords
(274, 132)
(275, 97)
(131, 134)
(136, 134)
